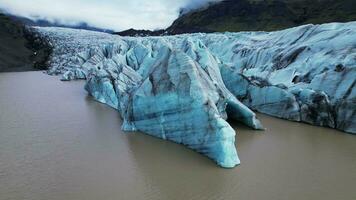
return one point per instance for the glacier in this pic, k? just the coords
(183, 88)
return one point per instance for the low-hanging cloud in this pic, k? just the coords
(109, 14)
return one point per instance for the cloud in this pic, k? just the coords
(109, 14)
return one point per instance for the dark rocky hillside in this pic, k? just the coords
(20, 49)
(140, 33)
(263, 15)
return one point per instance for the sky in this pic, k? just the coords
(115, 15)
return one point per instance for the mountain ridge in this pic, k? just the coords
(47, 23)
(263, 15)
(256, 15)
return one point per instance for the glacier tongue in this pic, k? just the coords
(166, 93)
(183, 88)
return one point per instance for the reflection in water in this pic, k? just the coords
(57, 143)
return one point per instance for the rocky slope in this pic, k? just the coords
(20, 48)
(183, 88)
(141, 33)
(263, 15)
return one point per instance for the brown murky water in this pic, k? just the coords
(58, 144)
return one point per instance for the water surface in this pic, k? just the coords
(56, 143)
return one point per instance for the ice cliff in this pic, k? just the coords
(303, 74)
(183, 88)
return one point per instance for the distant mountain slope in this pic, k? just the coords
(263, 15)
(140, 33)
(46, 23)
(19, 49)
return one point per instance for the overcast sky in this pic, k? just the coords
(110, 14)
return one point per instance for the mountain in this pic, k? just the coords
(263, 15)
(46, 23)
(19, 49)
(140, 33)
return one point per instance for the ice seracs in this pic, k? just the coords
(306, 73)
(171, 97)
(183, 88)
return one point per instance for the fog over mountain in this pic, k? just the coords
(116, 15)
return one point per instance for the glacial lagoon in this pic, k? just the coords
(56, 142)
